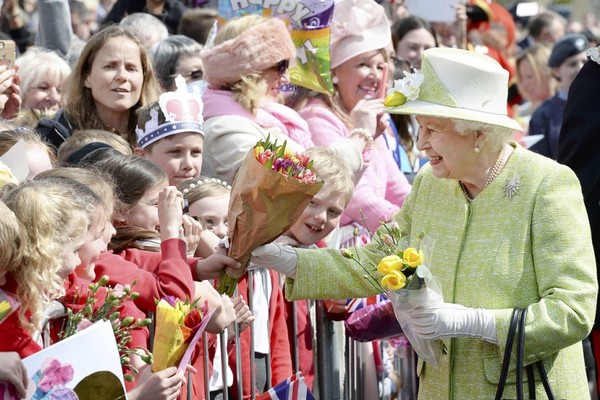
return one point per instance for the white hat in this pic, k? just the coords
(456, 84)
(357, 27)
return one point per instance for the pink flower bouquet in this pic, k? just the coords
(270, 191)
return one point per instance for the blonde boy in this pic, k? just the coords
(323, 213)
(320, 217)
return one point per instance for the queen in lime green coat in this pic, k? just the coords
(509, 229)
(529, 249)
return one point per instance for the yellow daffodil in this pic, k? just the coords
(4, 308)
(389, 264)
(394, 99)
(412, 257)
(395, 280)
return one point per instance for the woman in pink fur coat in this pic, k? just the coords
(245, 69)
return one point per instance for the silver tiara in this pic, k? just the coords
(206, 181)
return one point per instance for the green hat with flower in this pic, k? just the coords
(455, 84)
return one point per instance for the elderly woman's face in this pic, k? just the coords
(449, 152)
(360, 78)
(44, 95)
(116, 76)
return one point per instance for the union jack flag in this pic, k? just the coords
(293, 388)
(356, 304)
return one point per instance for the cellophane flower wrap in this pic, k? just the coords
(269, 193)
(406, 280)
(176, 324)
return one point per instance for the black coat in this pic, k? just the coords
(55, 130)
(579, 144)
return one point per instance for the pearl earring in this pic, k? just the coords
(477, 149)
(335, 80)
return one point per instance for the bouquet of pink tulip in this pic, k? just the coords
(270, 191)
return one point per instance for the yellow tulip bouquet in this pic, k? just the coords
(405, 280)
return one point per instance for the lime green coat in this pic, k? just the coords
(500, 251)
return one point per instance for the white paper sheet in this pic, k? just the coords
(433, 10)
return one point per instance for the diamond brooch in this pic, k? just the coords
(512, 187)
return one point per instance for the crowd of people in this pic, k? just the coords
(123, 126)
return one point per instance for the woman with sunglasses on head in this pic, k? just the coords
(245, 70)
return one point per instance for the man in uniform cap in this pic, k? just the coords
(566, 59)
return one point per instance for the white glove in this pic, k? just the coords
(449, 320)
(274, 256)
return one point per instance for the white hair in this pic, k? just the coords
(495, 135)
(37, 64)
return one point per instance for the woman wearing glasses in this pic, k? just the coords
(245, 70)
(177, 55)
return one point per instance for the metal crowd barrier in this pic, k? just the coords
(339, 372)
(339, 360)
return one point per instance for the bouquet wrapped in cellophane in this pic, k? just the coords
(407, 282)
(270, 191)
(179, 325)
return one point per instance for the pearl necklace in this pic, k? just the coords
(493, 174)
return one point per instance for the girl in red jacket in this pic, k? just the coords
(208, 201)
(150, 244)
(162, 385)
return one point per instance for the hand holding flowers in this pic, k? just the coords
(269, 193)
(417, 299)
(439, 320)
(406, 281)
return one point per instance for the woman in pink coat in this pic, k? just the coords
(359, 35)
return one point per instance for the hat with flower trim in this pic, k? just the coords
(455, 84)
